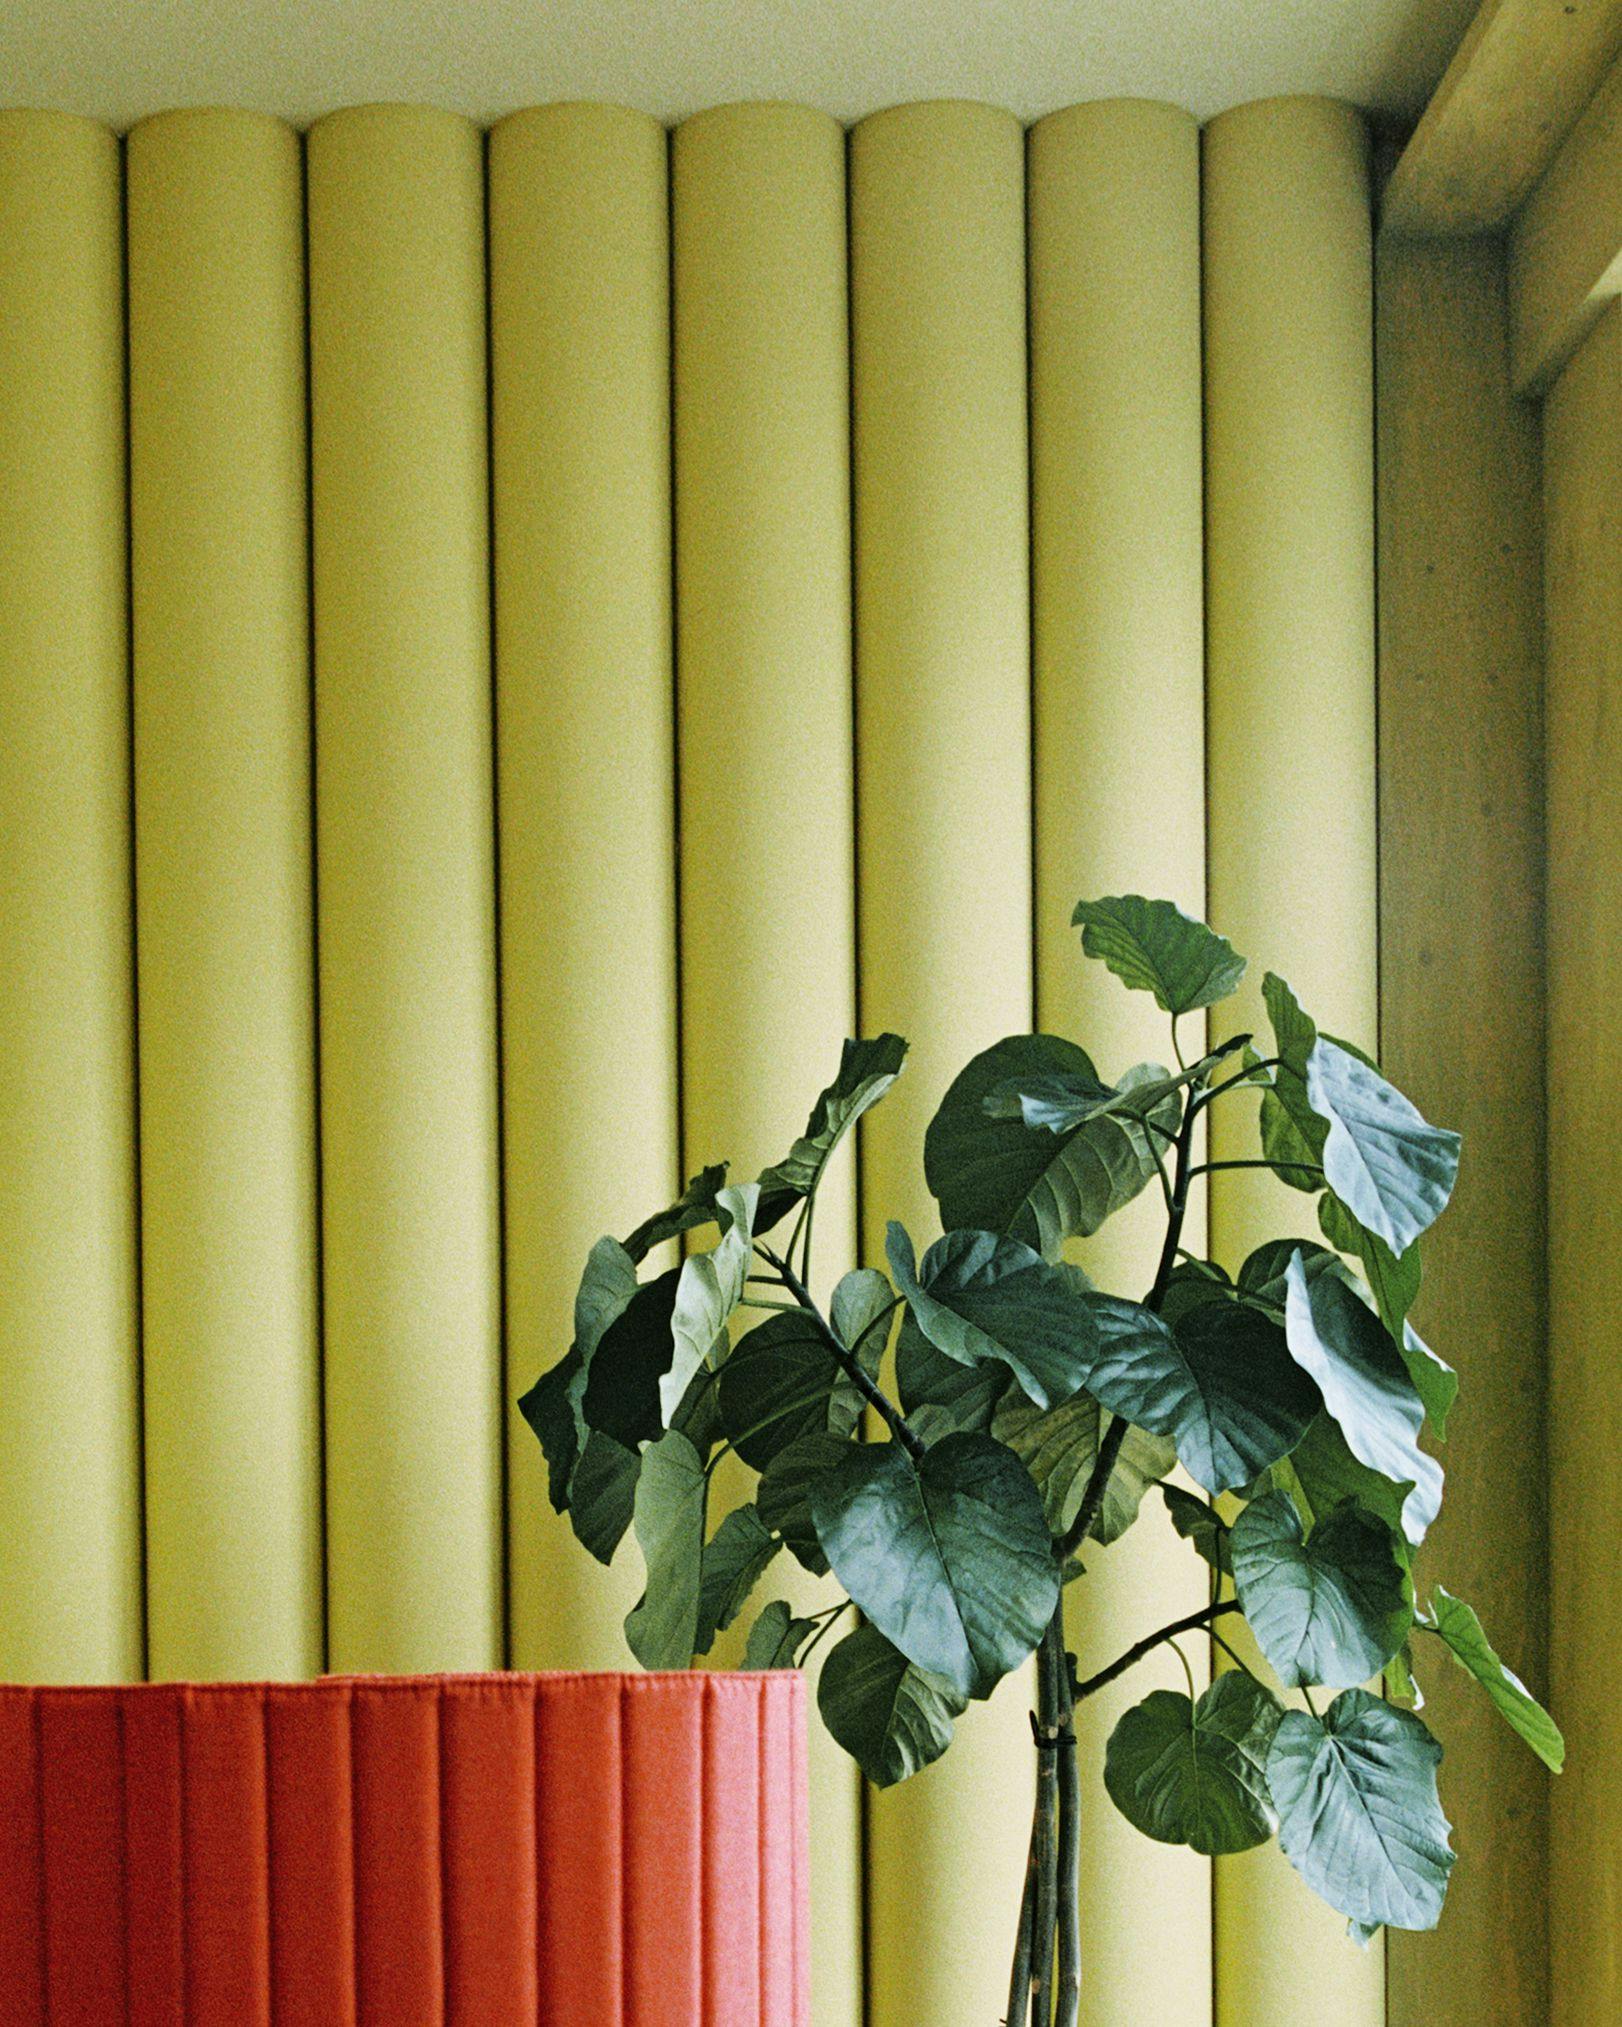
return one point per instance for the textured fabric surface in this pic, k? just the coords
(441, 1851)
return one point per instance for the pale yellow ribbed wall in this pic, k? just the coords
(225, 905)
(580, 378)
(1118, 616)
(1291, 761)
(943, 744)
(405, 848)
(1582, 452)
(763, 664)
(70, 1572)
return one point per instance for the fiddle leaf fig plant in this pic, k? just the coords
(1030, 1418)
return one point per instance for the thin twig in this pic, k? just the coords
(1149, 1642)
(874, 1396)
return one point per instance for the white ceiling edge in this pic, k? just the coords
(120, 60)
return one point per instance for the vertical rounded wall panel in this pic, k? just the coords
(1291, 758)
(225, 902)
(406, 921)
(70, 1577)
(1118, 620)
(943, 745)
(763, 658)
(580, 359)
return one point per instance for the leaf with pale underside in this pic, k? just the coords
(1391, 1169)
(709, 1289)
(1059, 1447)
(1154, 947)
(1456, 1624)
(662, 1627)
(1358, 1812)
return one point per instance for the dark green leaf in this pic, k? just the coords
(890, 1715)
(1154, 947)
(950, 1558)
(1455, 1623)
(662, 1628)
(1336, 1338)
(549, 1410)
(940, 1396)
(1220, 1386)
(621, 1392)
(867, 1069)
(554, 1406)
(979, 1297)
(1059, 1447)
(1330, 1608)
(708, 1291)
(1195, 1773)
(776, 1637)
(1191, 1283)
(603, 1494)
(735, 1558)
(1292, 1134)
(694, 1207)
(1358, 1812)
(776, 1384)
(1200, 1524)
(1391, 1170)
(784, 1492)
(1264, 1276)
(1323, 1472)
(999, 1175)
(862, 1299)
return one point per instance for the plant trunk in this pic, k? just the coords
(1045, 1989)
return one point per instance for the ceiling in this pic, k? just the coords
(121, 59)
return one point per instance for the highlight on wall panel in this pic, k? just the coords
(70, 1575)
(225, 900)
(405, 880)
(1118, 686)
(1290, 619)
(580, 365)
(763, 667)
(943, 758)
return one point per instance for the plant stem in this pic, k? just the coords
(1048, 1884)
(1019, 1985)
(1149, 1642)
(1300, 1167)
(1069, 1843)
(875, 1397)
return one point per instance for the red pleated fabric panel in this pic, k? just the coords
(466, 1851)
(312, 1856)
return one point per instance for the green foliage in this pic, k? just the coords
(1030, 1413)
(1186, 1772)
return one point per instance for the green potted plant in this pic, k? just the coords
(1030, 1414)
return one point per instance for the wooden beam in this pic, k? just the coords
(1461, 1024)
(1566, 246)
(1511, 95)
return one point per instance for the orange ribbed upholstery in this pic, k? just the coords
(435, 1851)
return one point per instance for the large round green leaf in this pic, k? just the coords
(1331, 1608)
(949, 1557)
(1059, 1447)
(940, 1396)
(999, 1175)
(622, 1381)
(1391, 1169)
(1154, 947)
(735, 1558)
(978, 1297)
(890, 1715)
(1220, 1386)
(1335, 1337)
(776, 1384)
(1195, 1773)
(1358, 1813)
(1454, 1621)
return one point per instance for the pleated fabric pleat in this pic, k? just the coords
(763, 644)
(938, 366)
(225, 909)
(627, 1851)
(405, 837)
(580, 413)
(1118, 679)
(1292, 875)
(70, 1583)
